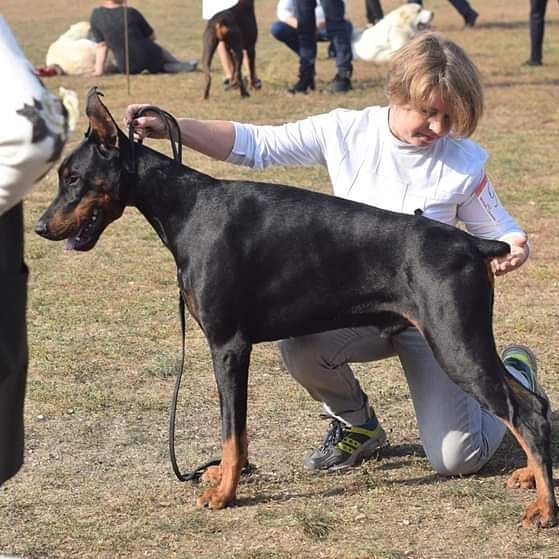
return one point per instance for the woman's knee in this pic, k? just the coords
(458, 454)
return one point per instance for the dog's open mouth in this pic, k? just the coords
(88, 234)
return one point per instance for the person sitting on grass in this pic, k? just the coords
(144, 54)
(284, 29)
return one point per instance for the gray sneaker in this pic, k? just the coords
(345, 446)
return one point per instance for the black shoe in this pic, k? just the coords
(303, 85)
(531, 62)
(340, 84)
(470, 21)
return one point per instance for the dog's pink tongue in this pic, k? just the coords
(70, 244)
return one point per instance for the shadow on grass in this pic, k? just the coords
(508, 458)
(511, 83)
(511, 25)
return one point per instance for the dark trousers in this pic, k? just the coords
(289, 36)
(337, 30)
(13, 341)
(537, 24)
(373, 10)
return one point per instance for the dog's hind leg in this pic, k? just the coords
(231, 362)
(210, 42)
(531, 425)
(253, 80)
(477, 368)
(232, 38)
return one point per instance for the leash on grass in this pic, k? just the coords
(197, 472)
(172, 129)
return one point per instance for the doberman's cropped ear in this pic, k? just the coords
(101, 122)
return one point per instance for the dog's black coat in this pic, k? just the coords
(237, 28)
(262, 262)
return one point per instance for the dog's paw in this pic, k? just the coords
(212, 475)
(215, 499)
(540, 514)
(523, 478)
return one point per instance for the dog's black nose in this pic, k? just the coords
(41, 228)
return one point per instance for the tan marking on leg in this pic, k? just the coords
(212, 475)
(542, 511)
(235, 454)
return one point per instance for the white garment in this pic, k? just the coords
(366, 163)
(22, 160)
(211, 7)
(286, 9)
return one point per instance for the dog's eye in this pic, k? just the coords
(73, 179)
(104, 151)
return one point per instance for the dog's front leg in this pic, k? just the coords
(231, 362)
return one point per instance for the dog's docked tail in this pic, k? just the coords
(489, 248)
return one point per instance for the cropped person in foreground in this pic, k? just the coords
(33, 133)
(412, 154)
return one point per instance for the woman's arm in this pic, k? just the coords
(297, 143)
(100, 58)
(214, 138)
(485, 216)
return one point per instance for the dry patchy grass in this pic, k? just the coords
(105, 341)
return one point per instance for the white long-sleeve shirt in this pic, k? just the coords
(211, 7)
(367, 164)
(33, 123)
(286, 9)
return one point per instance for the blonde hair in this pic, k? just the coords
(430, 64)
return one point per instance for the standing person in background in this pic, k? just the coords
(107, 29)
(33, 132)
(373, 11)
(284, 29)
(462, 7)
(334, 10)
(537, 26)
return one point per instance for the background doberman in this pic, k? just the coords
(237, 28)
(261, 262)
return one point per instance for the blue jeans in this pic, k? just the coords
(289, 36)
(337, 30)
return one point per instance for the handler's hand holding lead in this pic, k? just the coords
(519, 251)
(148, 125)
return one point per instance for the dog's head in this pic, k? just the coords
(92, 182)
(412, 18)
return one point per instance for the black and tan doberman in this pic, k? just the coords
(259, 262)
(236, 27)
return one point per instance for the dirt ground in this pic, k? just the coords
(105, 338)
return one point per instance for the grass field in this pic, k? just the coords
(105, 339)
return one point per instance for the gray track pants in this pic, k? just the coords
(458, 436)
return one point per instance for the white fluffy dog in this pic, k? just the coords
(379, 42)
(73, 51)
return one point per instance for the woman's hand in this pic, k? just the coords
(148, 125)
(519, 252)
